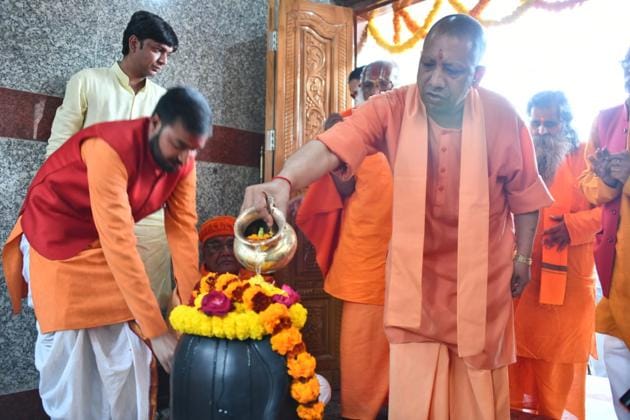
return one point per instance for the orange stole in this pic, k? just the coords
(404, 286)
(553, 277)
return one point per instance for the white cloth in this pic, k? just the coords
(93, 373)
(325, 390)
(617, 360)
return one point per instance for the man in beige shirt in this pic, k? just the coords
(121, 92)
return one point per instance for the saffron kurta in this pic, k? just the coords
(514, 186)
(553, 341)
(351, 240)
(106, 284)
(430, 328)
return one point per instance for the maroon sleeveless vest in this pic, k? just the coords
(612, 130)
(56, 214)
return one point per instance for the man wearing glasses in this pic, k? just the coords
(349, 223)
(606, 182)
(376, 77)
(554, 318)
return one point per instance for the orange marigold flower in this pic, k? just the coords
(313, 411)
(223, 280)
(271, 316)
(248, 295)
(299, 348)
(285, 340)
(237, 294)
(301, 366)
(231, 287)
(260, 302)
(305, 391)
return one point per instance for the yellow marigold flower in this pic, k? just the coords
(223, 280)
(298, 314)
(271, 316)
(198, 300)
(301, 366)
(217, 327)
(268, 288)
(285, 340)
(311, 411)
(305, 392)
(204, 287)
(229, 326)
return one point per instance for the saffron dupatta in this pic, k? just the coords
(404, 292)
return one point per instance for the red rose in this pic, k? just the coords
(288, 300)
(216, 303)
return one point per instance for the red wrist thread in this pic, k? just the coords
(284, 179)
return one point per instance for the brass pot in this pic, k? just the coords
(268, 255)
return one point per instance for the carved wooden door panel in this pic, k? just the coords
(309, 58)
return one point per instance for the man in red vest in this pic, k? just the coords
(607, 182)
(97, 318)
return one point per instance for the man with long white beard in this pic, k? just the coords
(555, 316)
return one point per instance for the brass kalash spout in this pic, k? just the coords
(267, 255)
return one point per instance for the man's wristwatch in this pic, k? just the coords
(522, 259)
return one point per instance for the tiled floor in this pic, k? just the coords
(598, 403)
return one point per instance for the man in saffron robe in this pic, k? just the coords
(79, 266)
(462, 162)
(354, 79)
(555, 316)
(216, 237)
(351, 248)
(607, 182)
(121, 92)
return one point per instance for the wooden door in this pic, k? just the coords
(309, 57)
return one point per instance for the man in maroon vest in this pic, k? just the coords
(607, 182)
(79, 265)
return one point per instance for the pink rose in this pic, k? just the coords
(216, 303)
(288, 300)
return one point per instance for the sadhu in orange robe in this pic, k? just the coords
(448, 311)
(555, 316)
(351, 238)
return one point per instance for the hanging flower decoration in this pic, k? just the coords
(419, 32)
(225, 306)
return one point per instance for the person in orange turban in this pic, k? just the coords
(216, 237)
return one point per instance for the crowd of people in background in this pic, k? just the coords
(463, 242)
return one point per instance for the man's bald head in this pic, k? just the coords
(378, 77)
(462, 27)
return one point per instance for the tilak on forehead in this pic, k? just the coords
(440, 55)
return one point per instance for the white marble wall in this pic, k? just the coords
(43, 42)
(222, 48)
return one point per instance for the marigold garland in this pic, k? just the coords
(411, 42)
(256, 308)
(419, 32)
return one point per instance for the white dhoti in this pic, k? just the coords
(153, 249)
(617, 360)
(93, 373)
